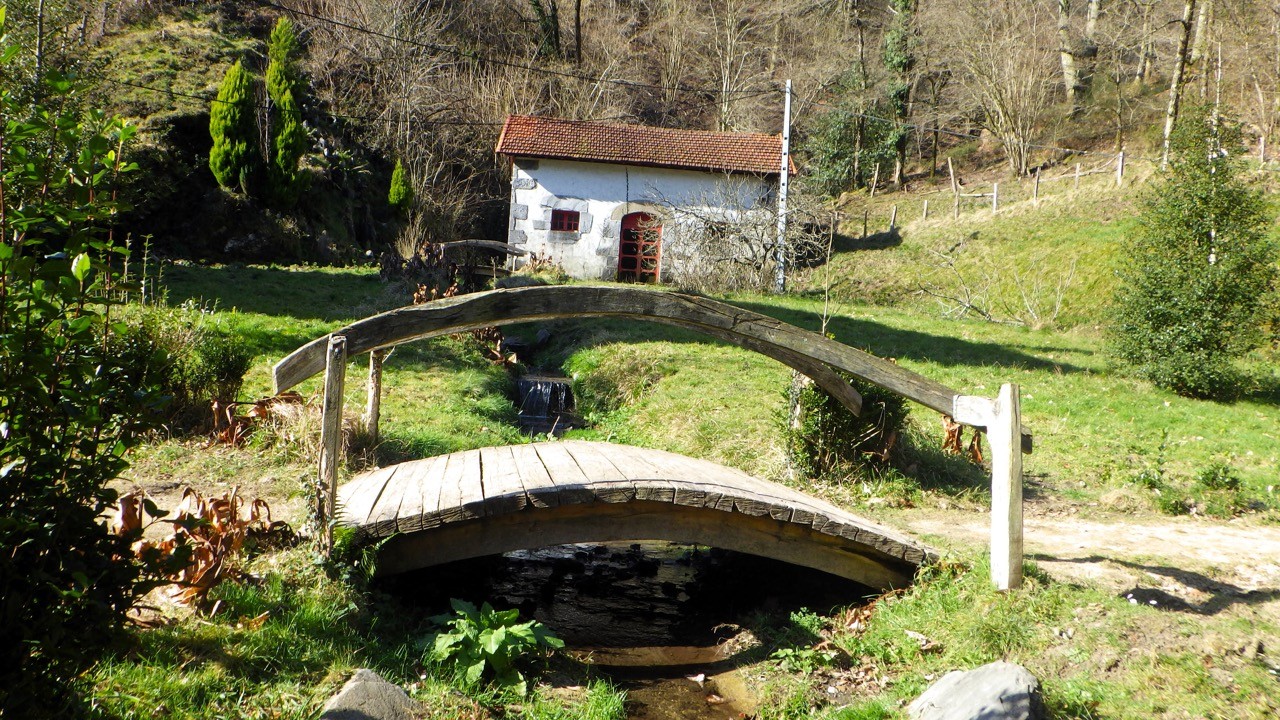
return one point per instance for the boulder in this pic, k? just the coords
(999, 691)
(366, 696)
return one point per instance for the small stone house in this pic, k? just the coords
(609, 201)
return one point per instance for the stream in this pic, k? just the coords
(661, 620)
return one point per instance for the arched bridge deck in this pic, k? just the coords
(499, 499)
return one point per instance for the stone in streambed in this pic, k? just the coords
(998, 691)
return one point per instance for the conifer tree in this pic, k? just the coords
(288, 136)
(234, 130)
(1199, 268)
(401, 192)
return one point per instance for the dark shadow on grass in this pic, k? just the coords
(1222, 596)
(295, 293)
(873, 241)
(891, 342)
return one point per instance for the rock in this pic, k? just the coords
(366, 696)
(999, 691)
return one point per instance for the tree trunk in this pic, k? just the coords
(577, 31)
(1175, 84)
(1070, 73)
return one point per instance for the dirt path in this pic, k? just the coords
(1202, 565)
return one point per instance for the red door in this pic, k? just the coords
(640, 248)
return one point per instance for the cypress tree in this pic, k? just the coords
(234, 130)
(288, 136)
(401, 192)
(1198, 269)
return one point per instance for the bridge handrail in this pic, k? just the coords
(806, 351)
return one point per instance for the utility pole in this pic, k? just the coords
(780, 282)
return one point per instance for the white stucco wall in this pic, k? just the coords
(603, 194)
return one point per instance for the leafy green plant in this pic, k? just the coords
(488, 643)
(69, 409)
(804, 660)
(1219, 475)
(1199, 267)
(823, 438)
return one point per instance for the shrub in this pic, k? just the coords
(823, 438)
(1198, 269)
(489, 643)
(234, 156)
(288, 136)
(69, 410)
(186, 356)
(400, 195)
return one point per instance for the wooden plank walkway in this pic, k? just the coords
(499, 499)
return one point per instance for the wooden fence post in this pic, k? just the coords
(1035, 191)
(893, 218)
(955, 208)
(925, 212)
(1120, 169)
(1077, 176)
(373, 401)
(875, 179)
(866, 214)
(951, 170)
(1004, 433)
(995, 197)
(331, 434)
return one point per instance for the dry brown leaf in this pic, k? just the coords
(951, 438)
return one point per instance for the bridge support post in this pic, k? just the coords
(335, 375)
(1005, 435)
(373, 403)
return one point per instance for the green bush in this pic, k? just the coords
(234, 156)
(186, 356)
(69, 410)
(1198, 270)
(489, 643)
(823, 438)
(288, 136)
(400, 195)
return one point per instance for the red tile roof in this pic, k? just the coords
(540, 137)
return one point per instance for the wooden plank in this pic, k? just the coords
(503, 489)
(607, 482)
(428, 496)
(384, 516)
(373, 397)
(539, 486)
(331, 433)
(1006, 490)
(572, 485)
(417, 493)
(357, 497)
(649, 481)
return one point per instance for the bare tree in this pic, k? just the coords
(1175, 83)
(1003, 63)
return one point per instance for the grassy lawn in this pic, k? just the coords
(1097, 432)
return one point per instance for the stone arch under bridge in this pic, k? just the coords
(439, 500)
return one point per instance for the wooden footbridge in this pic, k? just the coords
(495, 500)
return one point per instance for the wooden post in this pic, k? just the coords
(1035, 190)
(335, 374)
(1120, 169)
(925, 212)
(1005, 436)
(373, 402)
(951, 170)
(955, 208)
(865, 216)
(893, 218)
(1077, 176)
(875, 179)
(995, 197)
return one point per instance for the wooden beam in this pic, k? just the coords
(373, 400)
(1006, 490)
(493, 245)
(798, 348)
(331, 433)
